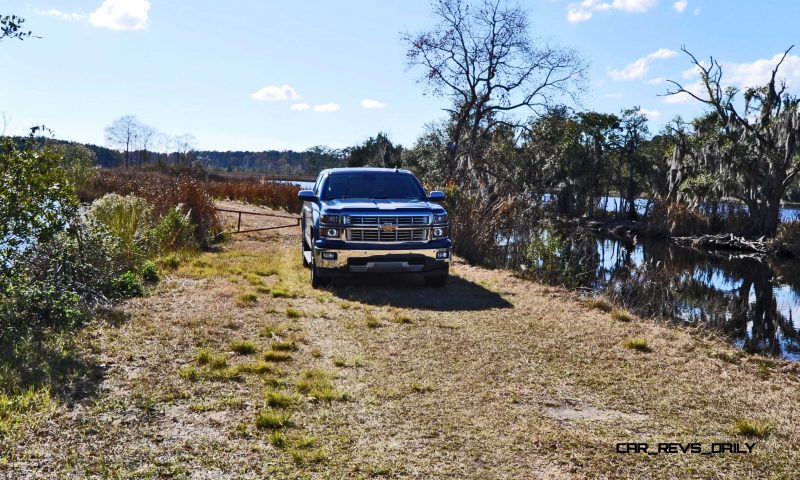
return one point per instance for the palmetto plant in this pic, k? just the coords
(128, 219)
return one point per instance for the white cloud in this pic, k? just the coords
(614, 95)
(70, 17)
(299, 107)
(327, 107)
(273, 93)
(121, 14)
(696, 88)
(758, 73)
(640, 67)
(655, 81)
(680, 5)
(582, 11)
(650, 114)
(367, 103)
(742, 75)
(696, 11)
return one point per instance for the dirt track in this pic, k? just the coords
(491, 377)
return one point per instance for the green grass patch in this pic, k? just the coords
(753, 428)
(276, 356)
(247, 299)
(622, 315)
(597, 303)
(638, 344)
(284, 346)
(344, 362)
(259, 368)
(318, 384)
(273, 330)
(293, 313)
(243, 347)
(272, 420)
(212, 360)
(278, 399)
(303, 457)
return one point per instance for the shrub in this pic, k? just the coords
(173, 231)
(149, 272)
(128, 220)
(164, 192)
(787, 238)
(58, 283)
(128, 285)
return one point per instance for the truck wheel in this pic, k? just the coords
(317, 280)
(437, 280)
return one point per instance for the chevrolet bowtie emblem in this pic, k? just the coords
(388, 227)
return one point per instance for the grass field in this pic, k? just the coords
(233, 367)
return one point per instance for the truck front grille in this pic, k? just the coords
(404, 220)
(380, 235)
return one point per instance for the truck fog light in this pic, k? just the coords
(442, 255)
(329, 255)
(438, 232)
(332, 232)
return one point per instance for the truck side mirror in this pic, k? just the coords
(307, 196)
(436, 195)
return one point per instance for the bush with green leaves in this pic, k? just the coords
(173, 231)
(149, 271)
(128, 219)
(36, 198)
(60, 282)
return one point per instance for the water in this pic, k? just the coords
(754, 303)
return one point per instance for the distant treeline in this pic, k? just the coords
(271, 162)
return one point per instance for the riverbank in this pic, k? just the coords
(490, 377)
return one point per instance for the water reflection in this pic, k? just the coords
(756, 303)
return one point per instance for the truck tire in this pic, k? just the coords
(318, 280)
(305, 247)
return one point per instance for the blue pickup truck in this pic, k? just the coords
(373, 220)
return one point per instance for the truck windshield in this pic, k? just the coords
(372, 185)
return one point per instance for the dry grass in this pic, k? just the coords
(521, 384)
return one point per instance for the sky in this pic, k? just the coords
(269, 74)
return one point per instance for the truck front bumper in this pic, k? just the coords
(337, 260)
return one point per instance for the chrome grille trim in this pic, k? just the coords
(399, 220)
(379, 235)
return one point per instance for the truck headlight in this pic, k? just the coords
(329, 219)
(331, 232)
(439, 232)
(440, 218)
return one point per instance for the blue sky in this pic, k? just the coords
(256, 75)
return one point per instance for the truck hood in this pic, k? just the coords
(380, 205)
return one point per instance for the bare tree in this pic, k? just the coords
(482, 57)
(755, 152)
(184, 143)
(145, 135)
(122, 134)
